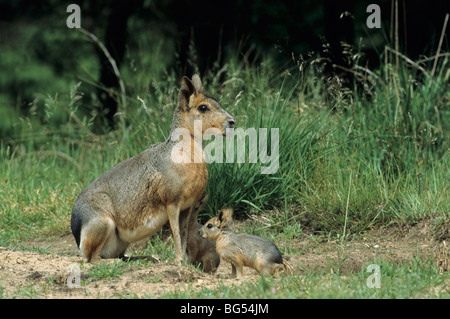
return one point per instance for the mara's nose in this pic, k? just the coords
(231, 123)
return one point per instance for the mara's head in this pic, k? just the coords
(214, 226)
(194, 105)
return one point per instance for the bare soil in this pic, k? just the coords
(47, 272)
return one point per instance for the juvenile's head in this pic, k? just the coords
(194, 105)
(214, 227)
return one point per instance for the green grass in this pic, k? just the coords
(298, 146)
(348, 160)
(392, 142)
(104, 270)
(418, 279)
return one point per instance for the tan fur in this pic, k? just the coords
(91, 246)
(137, 197)
(242, 249)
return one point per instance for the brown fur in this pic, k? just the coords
(137, 197)
(201, 252)
(242, 249)
(91, 246)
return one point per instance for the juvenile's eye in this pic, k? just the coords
(203, 108)
(209, 226)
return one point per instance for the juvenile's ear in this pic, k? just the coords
(186, 90)
(201, 203)
(197, 208)
(220, 216)
(225, 217)
(228, 215)
(193, 219)
(197, 83)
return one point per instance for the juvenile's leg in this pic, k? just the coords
(237, 269)
(269, 268)
(233, 271)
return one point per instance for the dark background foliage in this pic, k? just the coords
(39, 51)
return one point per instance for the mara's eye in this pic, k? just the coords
(203, 108)
(209, 226)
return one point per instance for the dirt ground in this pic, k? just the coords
(49, 270)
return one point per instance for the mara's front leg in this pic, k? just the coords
(173, 212)
(185, 221)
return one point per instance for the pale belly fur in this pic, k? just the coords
(150, 226)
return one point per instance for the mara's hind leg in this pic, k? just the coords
(94, 236)
(114, 246)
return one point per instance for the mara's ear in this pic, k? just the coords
(225, 217)
(220, 216)
(197, 83)
(228, 215)
(186, 90)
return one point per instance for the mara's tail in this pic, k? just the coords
(75, 225)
